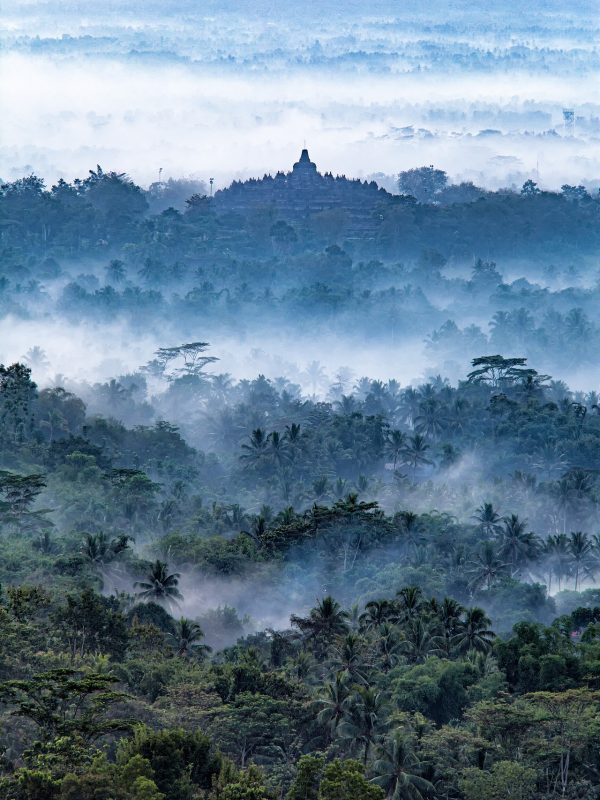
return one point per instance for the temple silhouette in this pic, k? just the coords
(305, 191)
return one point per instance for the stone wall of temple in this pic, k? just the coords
(304, 191)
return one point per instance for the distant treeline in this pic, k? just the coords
(107, 214)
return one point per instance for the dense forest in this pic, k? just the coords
(466, 269)
(311, 583)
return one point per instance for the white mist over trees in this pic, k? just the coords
(299, 441)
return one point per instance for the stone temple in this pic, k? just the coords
(305, 191)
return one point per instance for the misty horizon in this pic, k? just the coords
(299, 400)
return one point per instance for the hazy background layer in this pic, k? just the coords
(229, 90)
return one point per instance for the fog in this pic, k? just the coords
(229, 94)
(357, 322)
(299, 398)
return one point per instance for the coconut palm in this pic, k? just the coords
(346, 404)
(258, 530)
(389, 646)
(348, 658)
(581, 551)
(187, 638)
(517, 545)
(36, 358)
(474, 632)
(411, 528)
(398, 770)
(320, 487)
(376, 613)
(332, 702)
(486, 567)
(115, 271)
(557, 552)
(421, 640)
(410, 602)
(415, 453)
(315, 376)
(490, 522)
(255, 449)
(44, 542)
(363, 724)
(160, 586)
(448, 614)
(324, 622)
(100, 550)
(431, 419)
(278, 449)
(395, 445)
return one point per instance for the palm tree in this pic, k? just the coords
(518, 545)
(487, 567)
(160, 586)
(421, 641)
(362, 387)
(376, 613)
(363, 719)
(320, 487)
(324, 622)
(115, 271)
(44, 542)
(389, 645)
(395, 444)
(278, 449)
(258, 530)
(581, 551)
(221, 384)
(256, 448)
(335, 695)
(398, 770)
(474, 632)
(489, 520)
(346, 404)
(348, 659)
(36, 358)
(315, 375)
(449, 613)
(573, 492)
(293, 433)
(556, 549)
(458, 415)
(114, 393)
(99, 549)
(411, 528)
(343, 379)
(410, 602)
(550, 460)
(187, 638)
(431, 419)
(415, 452)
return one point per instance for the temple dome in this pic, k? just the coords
(304, 163)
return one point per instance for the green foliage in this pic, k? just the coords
(65, 702)
(345, 780)
(305, 785)
(89, 623)
(248, 785)
(423, 637)
(180, 760)
(505, 781)
(438, 689)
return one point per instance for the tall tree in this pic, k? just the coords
(160, 586)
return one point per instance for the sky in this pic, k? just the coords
(233, 90)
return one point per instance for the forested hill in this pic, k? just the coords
(459, 270)
(241, 571)
(105, 212)
(373, 574)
